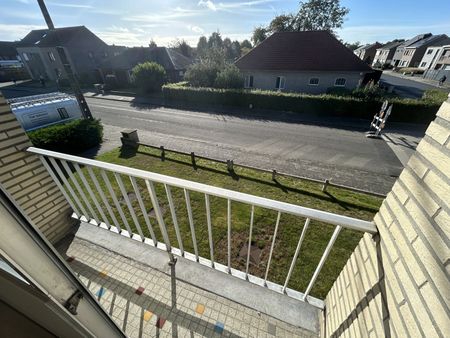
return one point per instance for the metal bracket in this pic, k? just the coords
(72, 303)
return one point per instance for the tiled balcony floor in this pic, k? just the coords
(145, 302)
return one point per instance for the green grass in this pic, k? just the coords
(289, 190)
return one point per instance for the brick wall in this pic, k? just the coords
(25, 180)
(397, 282)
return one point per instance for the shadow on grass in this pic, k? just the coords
(128, 152)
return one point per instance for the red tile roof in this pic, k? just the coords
(301, 51)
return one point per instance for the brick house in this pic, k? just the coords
(83, 48)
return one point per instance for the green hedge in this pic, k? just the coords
(405, 110)
(71, 138)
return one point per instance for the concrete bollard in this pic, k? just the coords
(130, 138)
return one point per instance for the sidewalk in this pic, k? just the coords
(418, 78)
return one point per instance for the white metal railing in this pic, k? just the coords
(94, 208)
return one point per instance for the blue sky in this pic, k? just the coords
(136, 22)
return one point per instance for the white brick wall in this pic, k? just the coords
(25, 180)
(397, 282)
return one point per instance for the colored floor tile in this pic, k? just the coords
(271, 329)
(219, 327)
(160, 322)
(70, 259)
(139, 290)
(200, 309)
(147, 315)
(103, 273)
(100, 292)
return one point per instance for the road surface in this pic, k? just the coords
(285, 143)
(406, 87)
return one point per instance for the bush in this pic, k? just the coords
(435, 95)
(405, 110)
(411, 70)
(71, 138)
(201, 74)
(230, 77)
(149, 76)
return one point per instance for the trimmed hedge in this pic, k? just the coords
(405, 110)
(70, 138)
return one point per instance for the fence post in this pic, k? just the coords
(230, 165)
(325, 185)
(274, 174)
(193, 161)
(163, 153)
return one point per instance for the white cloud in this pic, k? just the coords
(165, 17)
(244, 4)
(208, 4)
(17, 32)
(196, 29)
(69, 5)
(369, 33)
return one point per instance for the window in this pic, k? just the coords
(423, 64)
(25, 56)
(51, 57)
(314, 81)
(340, 82)
(280, 82)
(429, 51)
(63, 113)
(248, 81)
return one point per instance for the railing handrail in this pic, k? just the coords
(340, 220)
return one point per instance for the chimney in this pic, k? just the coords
(47, 17)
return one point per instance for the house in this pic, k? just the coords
(84, 51)
(310, 62)
(174, 63)
(8, 50)
(384, 54)
(411, 52)
(440, 65)
(432, 54)
(367, 52)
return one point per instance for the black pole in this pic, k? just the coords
(67, 67)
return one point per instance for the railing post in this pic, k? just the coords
(271, 247)
(208, 221)
(249, 241)
(322, 260)
(229, 233)
(191, 222)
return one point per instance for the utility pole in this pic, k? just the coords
(68, 69)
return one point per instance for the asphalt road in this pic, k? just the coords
(405, 87)
(286, 142)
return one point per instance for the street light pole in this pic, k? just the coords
(67, 67)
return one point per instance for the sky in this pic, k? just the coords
(136, 22)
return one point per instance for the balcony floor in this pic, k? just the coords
(146, 302)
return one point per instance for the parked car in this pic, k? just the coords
(39, 111)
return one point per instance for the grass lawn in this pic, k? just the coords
(289, 190)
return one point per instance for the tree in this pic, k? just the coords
(320, 15)
(229, 77)
(282, 23)
(352, 45)
(182, 47)
(149, 76)
(259, 35)
(202, 46)
(246, 44)
(215, 40)
(201, 74)
(235, 49)
(152, 44)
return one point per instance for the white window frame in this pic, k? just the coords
(423, 64)
(282, 83)
(340, 85)
(247, 81)
(313, 84)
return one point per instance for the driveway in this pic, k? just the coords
(405, 87)
(288, 142)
